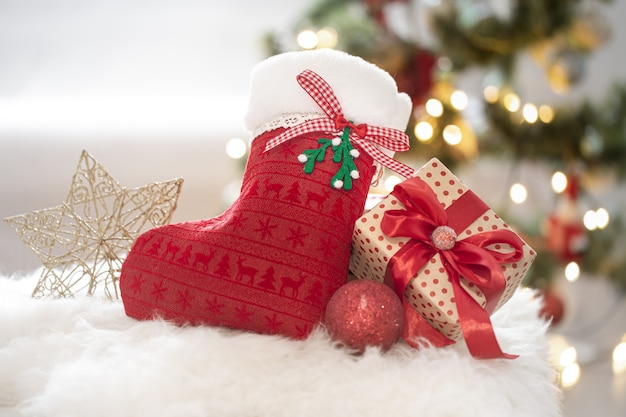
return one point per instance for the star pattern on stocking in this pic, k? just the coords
(273, 323)
(265, 228)
(327, 246)
(302, 331)
(158, 291)
(296, 236)
(83, 241)
(184, 299)
(289, 150)
(238, 220)
(214, 307)
(243, 314)
(138, 281)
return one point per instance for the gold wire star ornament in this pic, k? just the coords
(83, 242)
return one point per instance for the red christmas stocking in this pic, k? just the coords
(270, 262)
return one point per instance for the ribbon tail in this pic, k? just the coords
(388, 162)
(418, 332)
(320, 92)
(476, 326)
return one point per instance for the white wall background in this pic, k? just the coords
(115, 66)
(151, 88)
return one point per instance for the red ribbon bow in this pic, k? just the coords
(362, 134)
(341, 123)
(433, 230)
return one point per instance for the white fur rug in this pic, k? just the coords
(84, 357)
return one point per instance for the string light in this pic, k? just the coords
(572, 271)
(564, 358)
(589, 220)
(596, 219)
(434, 107)
(602, 218)
(236, 148)
(327, 37)
(619, 357)
(559, 182)
(444, 63)
(512, 102)
(491, 94)
(390, 182)
(452, 134)
(568, 356)
(570, 375)
(518, 193)
(546, 114)
(570, 372)
(458, 99)
(530, 112)
(423, 131)
(307, 39)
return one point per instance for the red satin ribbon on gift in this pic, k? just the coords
(469, 257)
(364, 135)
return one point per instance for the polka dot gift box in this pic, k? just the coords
(450, 258)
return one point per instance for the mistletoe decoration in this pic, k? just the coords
(365, 136)
(343, 152)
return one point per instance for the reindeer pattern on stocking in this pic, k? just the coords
(256, 266)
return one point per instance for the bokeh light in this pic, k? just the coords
(559, 182)
(518, 193)
(452, 134)
(236, 148)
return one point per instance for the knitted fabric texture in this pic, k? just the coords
(268, 264)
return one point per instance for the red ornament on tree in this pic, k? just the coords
(565, 234)
(552, 307)
(365, 313)
(416, 78)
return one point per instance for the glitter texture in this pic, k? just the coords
(365, 313)
(444, 237)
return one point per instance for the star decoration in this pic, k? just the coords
(82, 242)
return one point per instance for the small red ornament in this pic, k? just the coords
(365, 313)
(552, 307)
(566, 236)
(568, 240)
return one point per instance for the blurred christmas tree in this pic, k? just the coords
(428, 45)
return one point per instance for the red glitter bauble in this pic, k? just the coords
(553, 307)
(365, 313)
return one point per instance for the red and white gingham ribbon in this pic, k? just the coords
(362, 134)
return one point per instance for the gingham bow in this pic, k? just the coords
(362, 134)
